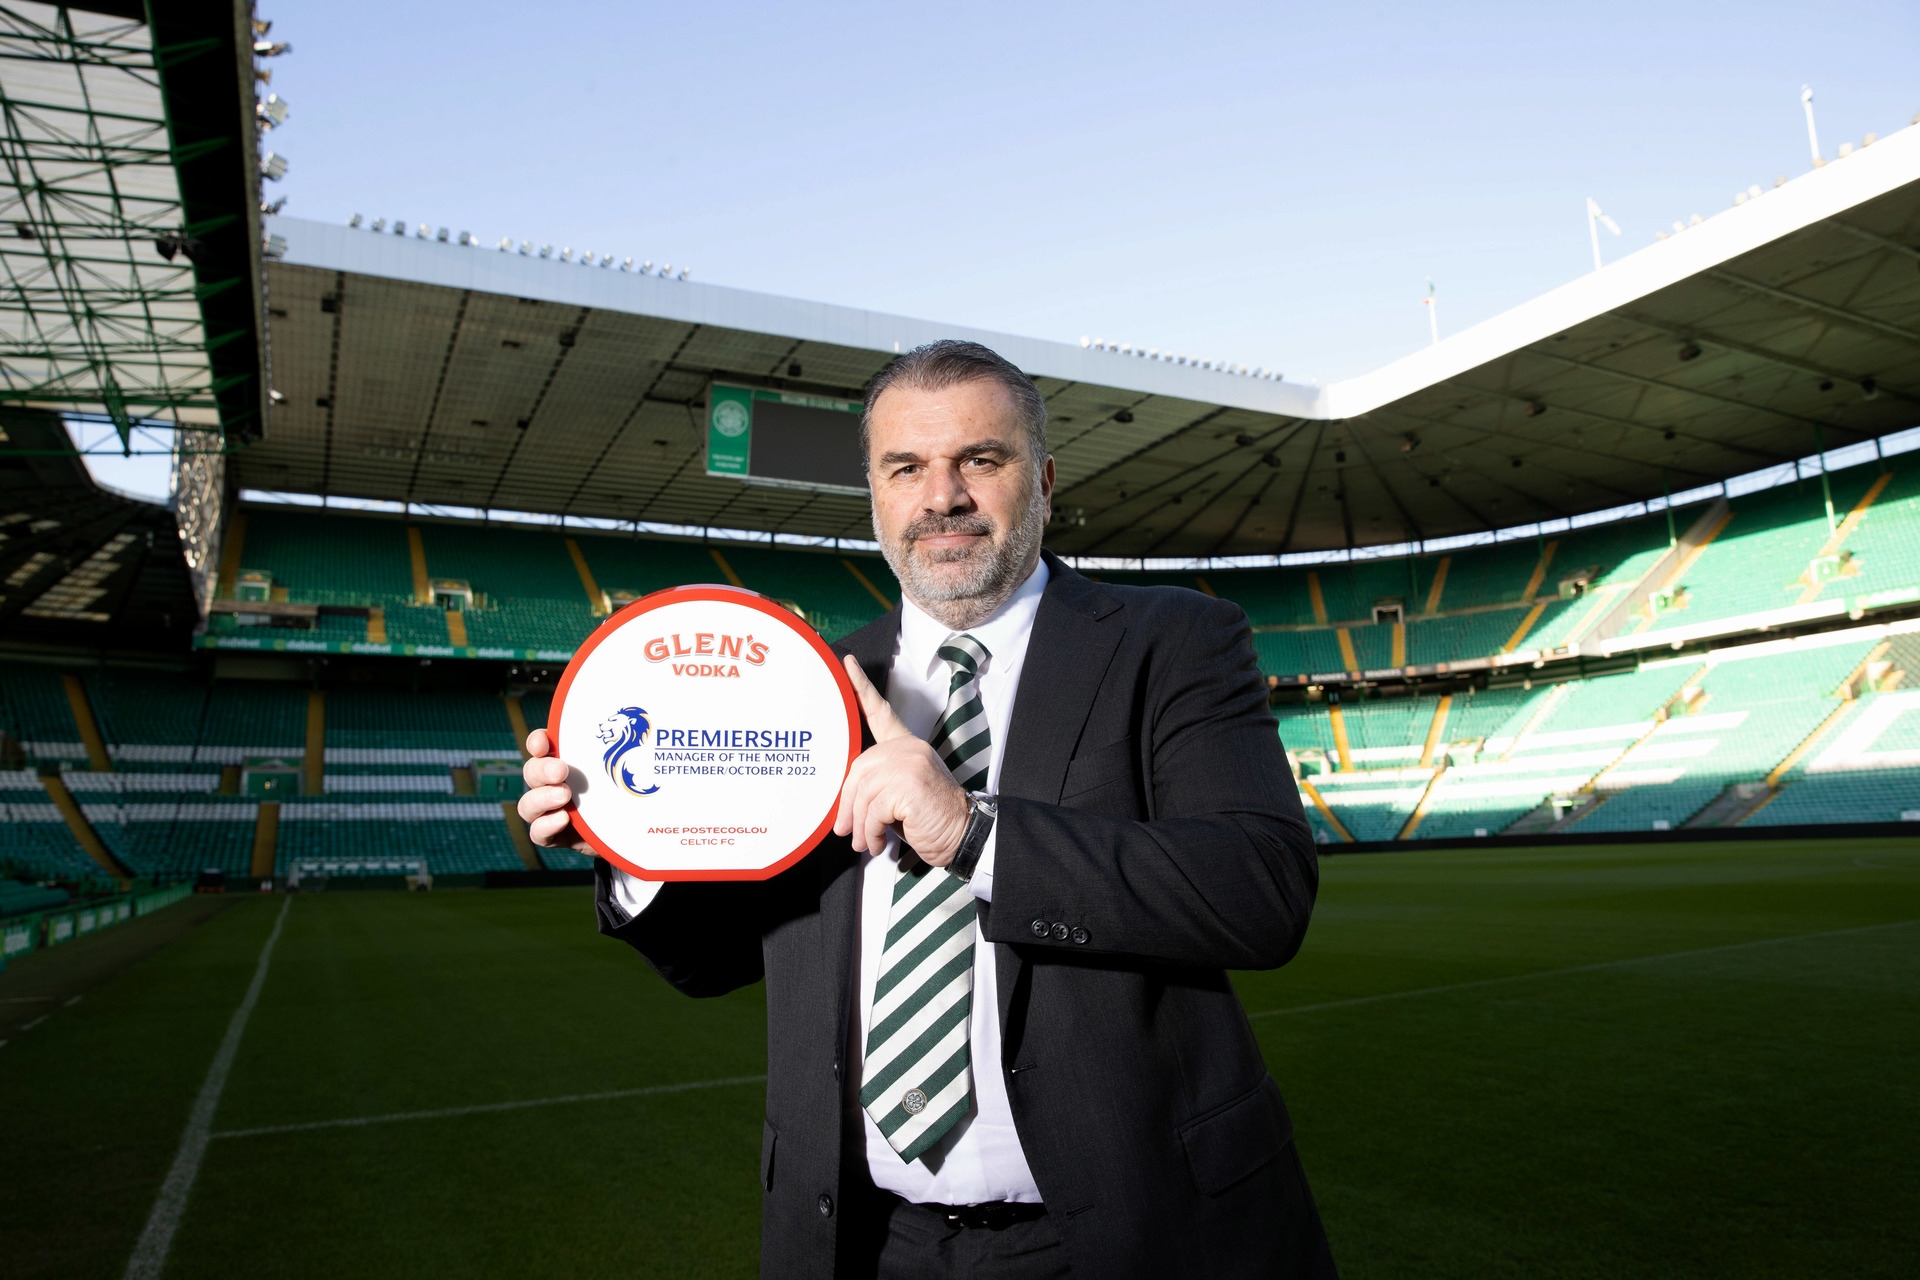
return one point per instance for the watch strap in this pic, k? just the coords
(981, 812)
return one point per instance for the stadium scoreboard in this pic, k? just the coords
(784, 438)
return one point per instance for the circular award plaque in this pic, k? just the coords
(708, 730)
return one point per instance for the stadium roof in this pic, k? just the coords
(432, 372)
(130, 267)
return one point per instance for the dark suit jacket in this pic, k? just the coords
(1146, 805)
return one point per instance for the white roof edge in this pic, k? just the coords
(331, 247)
(1889, 164)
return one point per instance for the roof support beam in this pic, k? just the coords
(1874, 237)
(1841, 314)
(1658, 384)
(1696, 334)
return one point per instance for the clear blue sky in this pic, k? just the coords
(1267, 184)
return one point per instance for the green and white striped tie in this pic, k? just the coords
(918, 1080)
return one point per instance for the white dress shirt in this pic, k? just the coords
(980, 1159)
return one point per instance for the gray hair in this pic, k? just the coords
(950, 362)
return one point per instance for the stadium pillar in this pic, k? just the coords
(266, 839)
(314, 765)
(867, 582)
(1439, 584)
(1339, 721)
(230, 555)
(83, 832)
(97, 759)
(522, 840)
(725, 568)
(1826, 485)
(517, 719)
(596, 598)
(417, 554)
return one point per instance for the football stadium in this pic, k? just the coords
(1592, 634)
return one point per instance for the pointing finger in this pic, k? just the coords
(880, 718)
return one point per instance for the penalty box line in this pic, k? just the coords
(485, 1108)
(1598, 967)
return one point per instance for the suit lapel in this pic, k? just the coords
(1073, 641)
(872, 647)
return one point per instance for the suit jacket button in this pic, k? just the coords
(1059, 932)
(1039, 928)
(826, 1205)
(1080, 936)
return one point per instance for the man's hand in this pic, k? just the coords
(543, 805)
(898, 781)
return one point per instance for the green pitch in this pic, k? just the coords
(1646, 1061)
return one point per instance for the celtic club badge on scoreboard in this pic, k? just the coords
(708, 730)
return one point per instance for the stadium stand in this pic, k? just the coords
(533, 597)
(1753, 734)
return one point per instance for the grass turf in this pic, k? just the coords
(1634, 1060)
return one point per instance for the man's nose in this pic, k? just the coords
(947, 493)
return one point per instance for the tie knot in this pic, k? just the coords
(963, 651)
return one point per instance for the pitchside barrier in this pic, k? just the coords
(56, 925)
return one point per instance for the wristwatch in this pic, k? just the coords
(982, 809)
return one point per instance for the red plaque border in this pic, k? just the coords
(726, 595)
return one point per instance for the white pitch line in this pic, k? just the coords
(483, 1108)
(1578, 968)
(150, 1253)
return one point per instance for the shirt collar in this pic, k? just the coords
(921, 635)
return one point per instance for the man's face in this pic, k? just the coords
(958, 504)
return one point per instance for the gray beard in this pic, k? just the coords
(988, 573)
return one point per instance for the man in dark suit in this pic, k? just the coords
(1001, 1036)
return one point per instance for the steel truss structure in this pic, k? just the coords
(100, 307)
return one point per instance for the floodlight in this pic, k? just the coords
(627, 265)
(354, 221)
(466, 237)
(273, 167)
(685, 272)
(526, 247)
(566, 253)
(399, 226)
(441, 236)
(272, 112)
(1596, 220)
(506, 243)
(379, 224)
(266, 49)
(274, 247)
(646, 268)
(666, 269)
(1753, 191)
(1085, 342)
(1813, 135)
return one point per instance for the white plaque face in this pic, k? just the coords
(708, 730)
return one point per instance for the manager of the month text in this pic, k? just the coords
(1001, 1039)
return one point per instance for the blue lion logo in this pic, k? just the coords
(623, 731)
